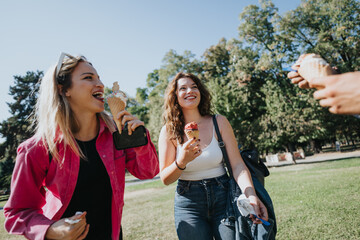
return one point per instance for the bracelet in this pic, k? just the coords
(179, 167)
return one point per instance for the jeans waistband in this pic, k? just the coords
(204, 181)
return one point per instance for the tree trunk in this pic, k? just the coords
(318, 146)
(347, 140)
(353, 142)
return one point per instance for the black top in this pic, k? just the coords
(92, 193)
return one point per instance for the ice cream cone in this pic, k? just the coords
(191, 130)
(309, 70)
(117, 103)
(190, 134)
(312, 65)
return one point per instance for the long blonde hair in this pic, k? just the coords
(55, 121)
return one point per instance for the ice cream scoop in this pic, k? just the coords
(192, 130)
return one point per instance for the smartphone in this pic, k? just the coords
(124, 140)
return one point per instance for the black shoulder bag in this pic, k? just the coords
(254, 164)
(244, 227)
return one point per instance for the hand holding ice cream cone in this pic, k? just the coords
(309, 66)
(191, 148)
(117, 103)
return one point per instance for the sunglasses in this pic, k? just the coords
(59, 65)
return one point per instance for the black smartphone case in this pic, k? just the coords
(124, 140)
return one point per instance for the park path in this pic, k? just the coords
(320, 157)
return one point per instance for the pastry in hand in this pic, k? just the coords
(192, 130)
(312, 65)
(117, 103)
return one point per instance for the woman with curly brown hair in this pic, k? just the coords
(201, 194)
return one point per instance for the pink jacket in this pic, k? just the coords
(30, 209)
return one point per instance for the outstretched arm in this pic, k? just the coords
(339, 92)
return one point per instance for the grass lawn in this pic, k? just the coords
(2, 203)
(312, 201)
(317, 201)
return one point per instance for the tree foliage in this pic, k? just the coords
(18, 127)
(247, 79)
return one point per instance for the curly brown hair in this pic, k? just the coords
(173, 116)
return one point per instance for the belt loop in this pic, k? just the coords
(188, 184)
(217, 180)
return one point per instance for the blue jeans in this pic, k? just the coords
(200, 207)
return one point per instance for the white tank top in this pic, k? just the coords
(208, 165)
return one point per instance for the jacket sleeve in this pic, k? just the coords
(23, 211)
(142, 162)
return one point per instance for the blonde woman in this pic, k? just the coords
(68, 181)
(201, 194)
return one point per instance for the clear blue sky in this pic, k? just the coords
(125, 40)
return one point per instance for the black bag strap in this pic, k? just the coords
(222, 146)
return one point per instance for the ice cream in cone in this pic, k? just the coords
(117, 103)
(312, 65)
(191, 130)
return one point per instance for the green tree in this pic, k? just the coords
(281, 121)
(228, 67)
(18, 127)
(292, 117)
(329, 28)
(248, 83)
(137, 105)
